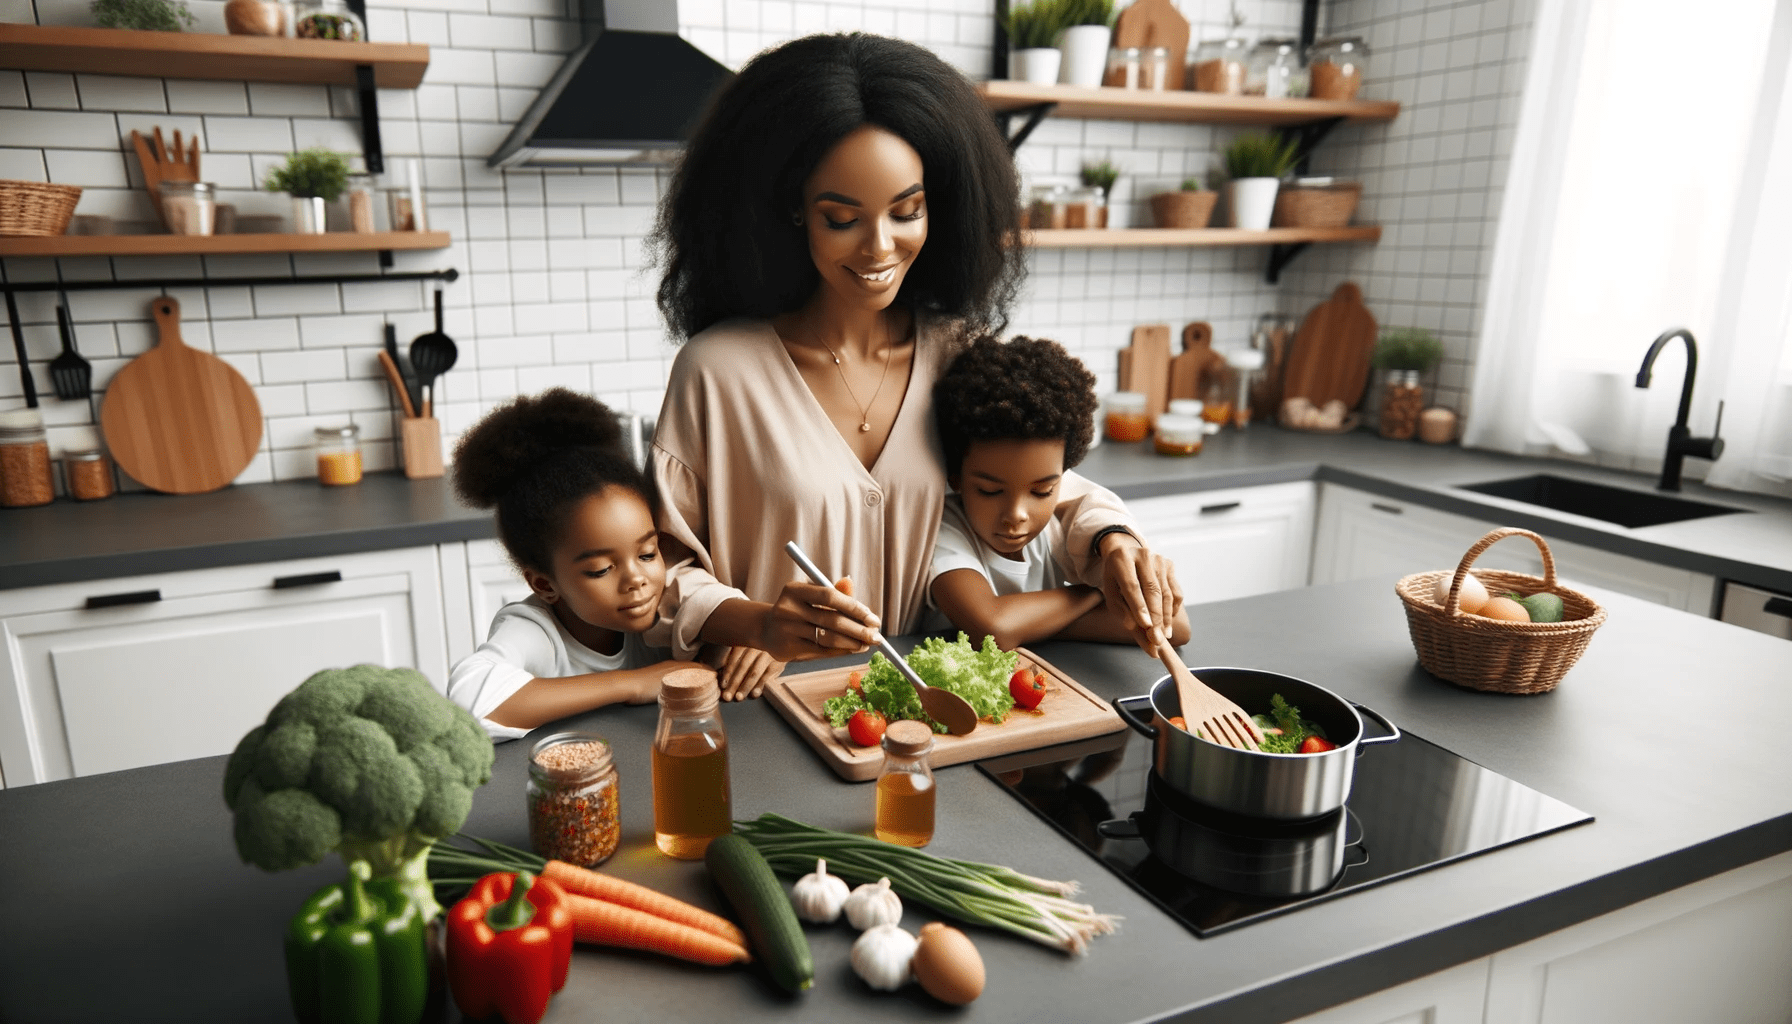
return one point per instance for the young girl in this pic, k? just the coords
(577, 517)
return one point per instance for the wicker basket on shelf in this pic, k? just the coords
(1183, 209)
(1490, 654)
(1316, 206)
(36, 208)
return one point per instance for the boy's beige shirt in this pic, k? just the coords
(746, 459)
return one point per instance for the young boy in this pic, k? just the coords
(1012, 419)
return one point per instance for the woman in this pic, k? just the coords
(845, 211)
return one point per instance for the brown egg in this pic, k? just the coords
(1505, 609)
(948, 965)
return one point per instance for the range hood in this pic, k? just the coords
(630, 94)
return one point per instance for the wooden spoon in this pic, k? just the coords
(1207, 712)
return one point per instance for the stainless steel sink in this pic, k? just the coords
(1618, 505)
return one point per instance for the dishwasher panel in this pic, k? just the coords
(1761, 610)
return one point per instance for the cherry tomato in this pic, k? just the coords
(1027, 686)
(852, 680)
(1316, 745)
(866, 727)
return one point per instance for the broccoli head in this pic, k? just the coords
(367, 761)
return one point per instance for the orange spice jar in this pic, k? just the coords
(87, 473)
(1126, 418)
(338, 455)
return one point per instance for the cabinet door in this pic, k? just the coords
(1232, 543)
(1455, 996)
(492, 582)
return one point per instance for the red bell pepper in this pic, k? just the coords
(509, 947)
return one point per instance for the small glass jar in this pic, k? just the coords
(1155, 69)
(1124, 66)
(189, 207)
(1274, 70)
(1086, 207)
(25, 477)
(326, 19)
(359, 195)
(1246, 364)
(1221, 384)
(338, 455)
(1179, 435)
(1402, 400)
(1219, 66)
(404, 208)
(905, 789)
(1336, 67)
(572, 792)
(87, 474)
(1185, 407)
(691, 801)
(1049, 208)
(1127, 421)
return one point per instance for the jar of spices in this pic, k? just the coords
(1154, 70)
(1127, 421)
(87, 474)
(572, 793)
(1219, 66)
(1123, 68)
(1402, 399)
(1086, 207)
(326, 19)
(691, 801)
(1336, 67)
(338, 455)
(1050, 208)
(1179, 435)
(360, 203)
(905, 790)
(24, 460)
(1274, 70)
(189, 207)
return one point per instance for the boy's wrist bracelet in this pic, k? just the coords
(1095, 545)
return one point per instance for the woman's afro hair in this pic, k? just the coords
(1020, 390)
(536, 457)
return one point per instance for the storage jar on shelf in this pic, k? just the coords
(1219, 66)
(1086, 207)
(1335, 67)
(189, 207)
(1274, 70)
(326, 19)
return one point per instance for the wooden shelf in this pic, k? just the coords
(113, 51)
(1114, 238)
(219, 245)
(1188, 107)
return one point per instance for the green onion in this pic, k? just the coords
(982, 894)
(454, 869)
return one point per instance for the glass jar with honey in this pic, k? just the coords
(691, 801)
(1126, 419)
(338, 455)
(905, 793)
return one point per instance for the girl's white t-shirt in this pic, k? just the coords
(526, 643)
(959, 547)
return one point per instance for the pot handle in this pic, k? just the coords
(1119, 828)
(1141, 726)
(1371, 741)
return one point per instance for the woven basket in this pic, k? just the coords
(1183, 209)
(1490, 654)
(1327, 206)
(35, 208)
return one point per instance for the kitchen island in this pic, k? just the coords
(125, 899)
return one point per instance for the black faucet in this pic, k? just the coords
(1681, 443)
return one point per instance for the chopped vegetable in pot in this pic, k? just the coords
(1284, 731)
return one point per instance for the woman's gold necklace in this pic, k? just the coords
(864, 410)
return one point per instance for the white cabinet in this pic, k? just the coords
(477, 580)
(1232, 543)
(1455, 996)
(115, 674)
(1362, 535)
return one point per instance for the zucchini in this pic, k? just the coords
(744, 877)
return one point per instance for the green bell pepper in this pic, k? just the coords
(356, 954)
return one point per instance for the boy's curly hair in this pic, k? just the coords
(1021, 390)
(536, 457)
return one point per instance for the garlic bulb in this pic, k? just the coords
(872, 905)
(882, 957)
(818, 897)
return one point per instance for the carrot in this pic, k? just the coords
(598, 886)
(606, 924)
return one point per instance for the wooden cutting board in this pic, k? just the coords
(1145, 366)
(1330, 357)
(1151, 23)
(1068, 712)
(177, 419)
(1190, 370)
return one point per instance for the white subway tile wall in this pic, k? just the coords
(555, 287)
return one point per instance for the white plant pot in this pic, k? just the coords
(1036, 65)
(1085, 50)
(1251, 202)
(308, 215)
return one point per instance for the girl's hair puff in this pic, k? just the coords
(536, 457)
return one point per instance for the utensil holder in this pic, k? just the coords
(422, 437)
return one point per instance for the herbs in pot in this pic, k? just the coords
(142, 15)
(311, 173)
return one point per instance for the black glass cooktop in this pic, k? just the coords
(1413, 806)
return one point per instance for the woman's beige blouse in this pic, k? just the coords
(746, 459)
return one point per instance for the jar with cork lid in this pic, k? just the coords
(691, 801)
(905, 791)
(24, 460)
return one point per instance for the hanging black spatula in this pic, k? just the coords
(71, 374)
(432, 355)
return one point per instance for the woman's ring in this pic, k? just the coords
(818, 636)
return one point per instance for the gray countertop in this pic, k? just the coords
(137, 534)
(126, 899)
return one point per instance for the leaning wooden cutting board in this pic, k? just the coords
(1068, 712)
(1330, 358)
(1145, 366)
(179, 420)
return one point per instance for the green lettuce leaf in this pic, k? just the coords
(979, 676)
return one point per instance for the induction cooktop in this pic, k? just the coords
(1413, 806)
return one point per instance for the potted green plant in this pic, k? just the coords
(1402, 354)
(1033, 31)
(142, 15)
(1255, 164)
(1087, 26)
(313, 178)
(1098, 181)
(1190, 206)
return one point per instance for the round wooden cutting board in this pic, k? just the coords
(177, 419)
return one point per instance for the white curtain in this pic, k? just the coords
(1635, 203)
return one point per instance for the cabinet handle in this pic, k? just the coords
(1393, 510)
(1778, 606)
(1224, 506)
(134, 597)
(310, 579)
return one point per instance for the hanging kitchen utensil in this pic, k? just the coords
(177, 419)
(943, 706)
(1145, 366)
(71, 375)
(1330, 358)
(1205, 710)
(432, 355)
(406, 373)
(26, 384)
(396, 379)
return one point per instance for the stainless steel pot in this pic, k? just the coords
(1287, 787)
